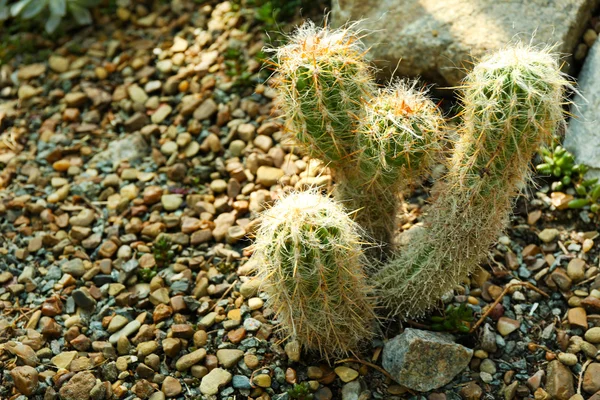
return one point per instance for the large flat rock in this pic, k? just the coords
(438, 39)
(583, 132)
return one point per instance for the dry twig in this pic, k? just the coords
(499, 299)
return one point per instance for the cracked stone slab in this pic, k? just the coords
(439, 39)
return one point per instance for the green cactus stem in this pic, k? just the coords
(512, 105)
(398, 139)
(323, 82)
(311, 265)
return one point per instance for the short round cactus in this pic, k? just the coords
(398, 139)
(311, 264)
(323, 82)
(400, 135)
(512, 105)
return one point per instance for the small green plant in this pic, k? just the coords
(310, 262)
(588, 193)
(270, 12)
(455, 319)
(560, 163)
(300, 391)
(52, 12)
(146, 274)
(237, 69)
(163, 255)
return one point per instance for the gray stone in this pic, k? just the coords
(229, 357)
(126, 331)
(351, 391)
(409, 358)
(131, 147)
(241, 382)
(73, 267)
(488, 339)
(582, 137)
(84, 299)
(437, 39)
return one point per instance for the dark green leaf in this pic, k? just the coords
(82, 15)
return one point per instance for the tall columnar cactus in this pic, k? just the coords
(323, 83)
(374, 142)
(398, 138)
(311, 265)
(512, 105)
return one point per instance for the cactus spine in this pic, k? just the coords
(512, 105)
(375, 144)
(311, 265)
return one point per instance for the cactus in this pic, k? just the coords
(323, 82)
(311, 265)
(374, 143)
(398, 138)
(512, 104)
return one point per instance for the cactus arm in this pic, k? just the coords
(512, 105)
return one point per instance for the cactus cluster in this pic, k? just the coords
(512, 105)
(379, 142)
(375, 141)
(311, 259)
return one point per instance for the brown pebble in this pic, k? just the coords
(237, 335)
(251, 361)
(61, 165)
(577, 317)
(290, 376)
(211, 362)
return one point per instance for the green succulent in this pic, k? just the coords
(588, 192)
(300, 391)
(146, 274)
(455, 319)
(51, 11)
(162, 250)
(560, 164)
